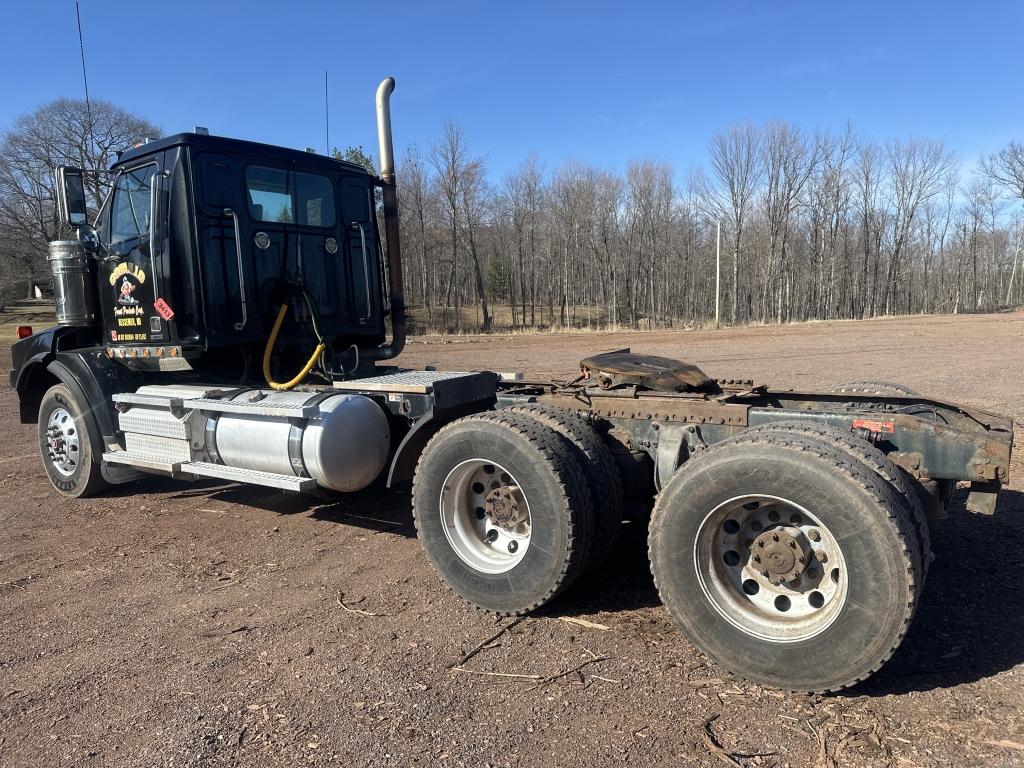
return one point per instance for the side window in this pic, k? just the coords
(270, 195)
(129, 209)
(355, 202)
(290, 197)
(314, 200)
(219, 184)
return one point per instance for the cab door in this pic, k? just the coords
(130, 275)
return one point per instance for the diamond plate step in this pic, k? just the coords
(157, 401)
(252, 409)
(250, 476)
(205, 469)
(142, 461)
(410, 382)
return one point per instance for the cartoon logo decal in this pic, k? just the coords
(129, 313)
(131, 277)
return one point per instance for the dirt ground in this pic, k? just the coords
(183, 624)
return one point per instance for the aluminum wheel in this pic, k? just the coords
(770, 568)
(62, 444)
(486, 516)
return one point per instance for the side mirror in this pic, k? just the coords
(89, 238)
(70, 192)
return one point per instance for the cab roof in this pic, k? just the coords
(236, 147)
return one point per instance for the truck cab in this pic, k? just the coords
(204, 236)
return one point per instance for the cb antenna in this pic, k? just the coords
(327, 117)
(85, 78)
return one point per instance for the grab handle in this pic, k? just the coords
(241, 274)
(366, 271)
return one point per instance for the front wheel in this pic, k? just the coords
(503, 511)
(68, 442)
(785, 561)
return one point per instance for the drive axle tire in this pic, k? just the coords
(69, 444)
(599, 467)
(503, 511)
(785, 561)
(878, 388)
(876, 461)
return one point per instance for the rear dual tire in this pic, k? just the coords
(864, 452)
(503, 510)
(821, 631)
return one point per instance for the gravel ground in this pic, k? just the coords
(181, 624)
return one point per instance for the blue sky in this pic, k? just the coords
(598, 81)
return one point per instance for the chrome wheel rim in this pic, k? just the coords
(770, 568)
(485, 516)
(62, 442)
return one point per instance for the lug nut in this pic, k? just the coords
(820, 556)
(814, 535)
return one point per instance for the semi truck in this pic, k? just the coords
(234, 311)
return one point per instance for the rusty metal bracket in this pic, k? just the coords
(911, 463)
(670, 409)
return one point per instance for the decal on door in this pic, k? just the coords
(130, 312)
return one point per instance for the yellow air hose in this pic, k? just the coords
(292, 383)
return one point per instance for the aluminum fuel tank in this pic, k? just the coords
(343, 448)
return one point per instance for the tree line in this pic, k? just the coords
(802, 225)
(799, 224)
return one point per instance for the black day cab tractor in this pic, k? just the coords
(231, 313)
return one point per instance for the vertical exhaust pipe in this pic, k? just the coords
(389, 190)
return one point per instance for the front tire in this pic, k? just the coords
(786, 562)
(69, 444)
(503, 511)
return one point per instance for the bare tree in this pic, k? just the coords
(1007, 167)
(918, 171)
(460, 181)
(62, 132)
(735, 156)
(788, 161)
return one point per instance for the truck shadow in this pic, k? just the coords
(374, 508)
(971, 616)
(967, 628)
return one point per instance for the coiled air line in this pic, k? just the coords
(320, 347)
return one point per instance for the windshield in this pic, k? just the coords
(130, 206)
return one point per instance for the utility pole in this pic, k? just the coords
(718, 273)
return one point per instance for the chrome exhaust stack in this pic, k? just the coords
(390, 199)
(387, 152)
